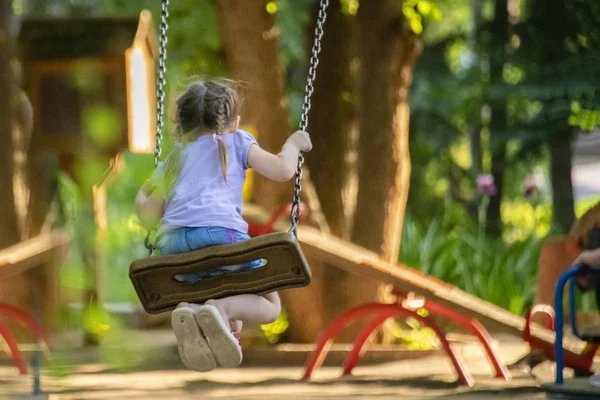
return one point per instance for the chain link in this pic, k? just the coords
(309, 88)
(161, 81)
(312, 74)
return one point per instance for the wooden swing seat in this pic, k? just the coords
(154, 277)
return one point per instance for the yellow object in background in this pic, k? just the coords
(247, 190)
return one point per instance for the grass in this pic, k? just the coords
(498, 272)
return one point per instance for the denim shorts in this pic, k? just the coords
(184, 240)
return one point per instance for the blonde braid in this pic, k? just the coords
(221, 122)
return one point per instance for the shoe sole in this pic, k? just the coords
(224, 345)
(191, 344)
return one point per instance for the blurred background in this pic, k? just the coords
(451, 136)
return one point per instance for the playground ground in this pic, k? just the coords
(145, 365)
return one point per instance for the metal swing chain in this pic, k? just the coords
(309, 88)
(161, 81)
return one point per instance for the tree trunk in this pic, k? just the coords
(332, 116)
(475, 127)
(554, 19)
(494, 217)
(330, 123)
(9, 232)
(387, 61)
(560, 177)
(498, 124)
(387, 54)
(22, 290)
(249, 41)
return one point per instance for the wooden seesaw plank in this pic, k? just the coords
(33, 252)
(357, 260)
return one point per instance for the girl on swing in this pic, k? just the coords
(195, 196)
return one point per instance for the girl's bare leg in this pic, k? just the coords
(236, 325)
(248, 308)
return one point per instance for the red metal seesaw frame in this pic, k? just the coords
(27, 321)
(13, 350)
(581, 360)
(258, 229)
(380, 313)
(19, 258)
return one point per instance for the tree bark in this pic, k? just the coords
(560, 178)
(555, 19)
(332, 116)
(9, 232)
(387, 61)
(387, 54)
(494, 215)
(330, 122)
(249, 41)
(249, 38)
(23, 290)
(475, 127)
(498, 123)
(22, 123)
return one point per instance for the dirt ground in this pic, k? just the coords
(145, 365)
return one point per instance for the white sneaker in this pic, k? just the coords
(223, 343)
(191, 344)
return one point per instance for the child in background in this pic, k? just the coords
(591, 257)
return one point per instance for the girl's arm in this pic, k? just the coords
(149, 206)
(590, 258)
(280, 167)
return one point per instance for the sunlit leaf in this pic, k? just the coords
(271, 7)
(102, 124)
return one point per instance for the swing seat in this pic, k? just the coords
(284, 267)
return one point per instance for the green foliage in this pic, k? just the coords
(274, 330)
(194, 41)
(547, 86)
(503, 274)
(557, 64)
(124, 239)
(292, 18)
(587, 120)
(585, 204)
(350, 7)
(416, 337)
(102, 125)
(455, 21)
(415, 11)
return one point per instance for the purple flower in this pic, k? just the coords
(485, 185)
